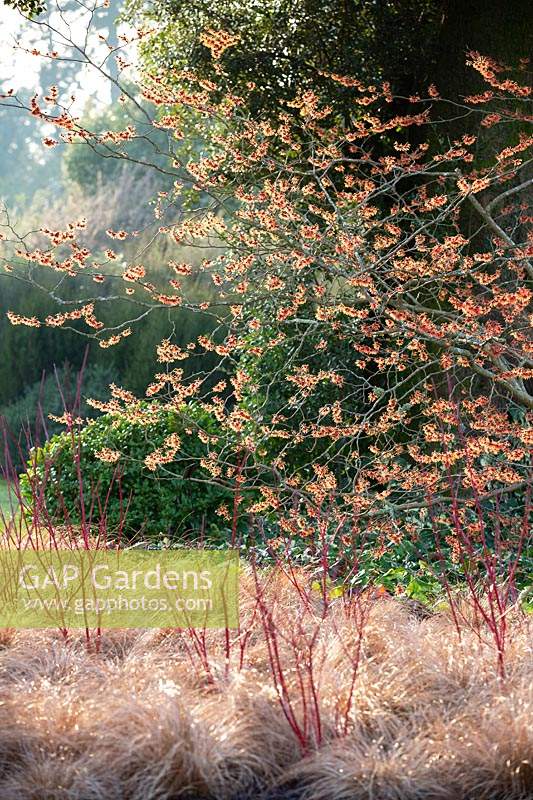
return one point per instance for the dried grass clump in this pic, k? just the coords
(419, 714)
(484, 753)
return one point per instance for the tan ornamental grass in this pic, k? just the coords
(420, 714)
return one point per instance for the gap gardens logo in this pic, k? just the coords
(119, 589)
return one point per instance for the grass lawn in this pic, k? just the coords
(8, 503)
(5, 506)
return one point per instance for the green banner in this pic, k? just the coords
(119, 589)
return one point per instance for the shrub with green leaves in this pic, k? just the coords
(178, 500)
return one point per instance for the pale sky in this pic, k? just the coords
(20, 70)
(16, 68)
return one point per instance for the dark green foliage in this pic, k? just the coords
(179, 500)
(27, 419)
(285, 45)
(30, 7)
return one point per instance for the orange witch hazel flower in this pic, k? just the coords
(218, 41)
(18, 319)
(107, 455)
(165, 454)
(116, 339)
(167, 352)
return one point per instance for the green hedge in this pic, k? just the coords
(177, 500)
